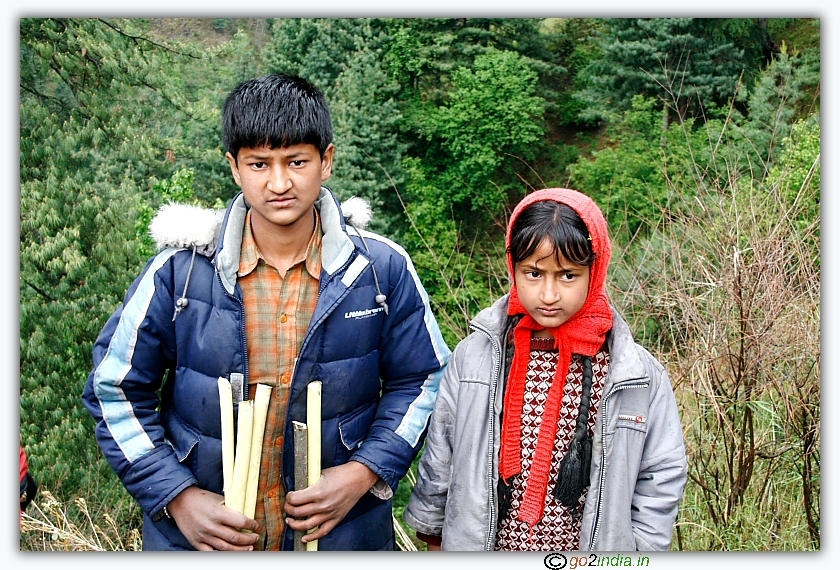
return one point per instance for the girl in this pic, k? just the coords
(553, 430)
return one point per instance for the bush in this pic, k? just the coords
(732, 285)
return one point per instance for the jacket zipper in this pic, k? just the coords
(311, 330)
(288, 533)
(488, 545)
(241, 335)
(623, 386)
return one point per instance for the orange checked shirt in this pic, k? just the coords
(278, 309)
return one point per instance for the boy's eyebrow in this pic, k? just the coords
(261, 154)
(253, 154)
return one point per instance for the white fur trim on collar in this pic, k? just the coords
(357, 212)
(186, 226)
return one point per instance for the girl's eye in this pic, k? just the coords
(533, 274)
(298, 162)
(258, 165)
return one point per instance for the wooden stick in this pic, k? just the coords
(301, 464)
(245, 427)
(226, 408)
(253, 479)
(313, 424)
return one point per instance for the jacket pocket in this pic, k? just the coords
(354, 428)
(180, 436)
(637, 422)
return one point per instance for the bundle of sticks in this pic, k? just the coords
(241, 466)
(241, 461)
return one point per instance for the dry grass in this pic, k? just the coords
(51, 525)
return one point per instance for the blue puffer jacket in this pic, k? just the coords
(154, 387)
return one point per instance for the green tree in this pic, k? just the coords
(627, 177)
(318, 49)
(492, 114)
(368, 149)
(428, 55)
(575, 41)
(458, 191)
(344, 58)
(423, 53)
(787, 90)
(97, 110)
(689, 64)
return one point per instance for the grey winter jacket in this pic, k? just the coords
(638, 471)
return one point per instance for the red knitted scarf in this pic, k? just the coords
(583, 334)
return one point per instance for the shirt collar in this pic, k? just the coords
(250, 254)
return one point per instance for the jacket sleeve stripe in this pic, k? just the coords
(125, 428)
(417, 416)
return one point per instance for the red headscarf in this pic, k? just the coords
(583, 334)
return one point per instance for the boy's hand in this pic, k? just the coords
(208, 524)
(328, 501)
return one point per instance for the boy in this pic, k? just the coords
(281, 292)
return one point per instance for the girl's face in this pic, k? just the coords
(551, 293)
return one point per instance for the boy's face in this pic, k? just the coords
(551, 293)
(281, 184)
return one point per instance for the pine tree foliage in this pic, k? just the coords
(575, 41)
(423, 53)
(96, 116)
(687, 63)
(344, 58)
(788, 88)
(368, 149)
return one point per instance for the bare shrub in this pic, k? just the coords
(730, 284)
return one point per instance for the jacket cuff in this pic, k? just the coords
(381, 490)
(382, 483)
(163, 512)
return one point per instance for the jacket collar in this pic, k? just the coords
(336, 246)
(625, 363)
(494, 317)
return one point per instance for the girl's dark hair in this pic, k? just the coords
(557, 222)
(278, 110)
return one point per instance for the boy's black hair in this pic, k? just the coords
(277, 110)
(557, 222)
